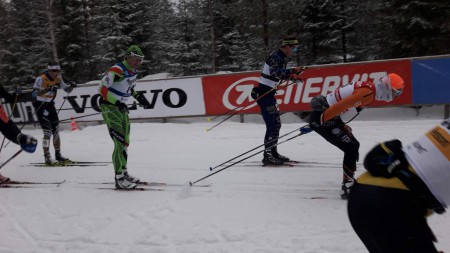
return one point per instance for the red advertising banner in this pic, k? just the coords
(227, 92)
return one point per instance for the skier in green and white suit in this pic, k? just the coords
(116, 86)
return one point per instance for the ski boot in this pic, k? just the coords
(346, 186)
(3, 179)
(130, 178)
(270, 160)
(49, 160)
(122, 182)
(61, 158)
(278, 156)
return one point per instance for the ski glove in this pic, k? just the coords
(122, 106)
(299, 70)
(296, 72)
(254, 94)
(53, 88)
(71, 86)
(18, 90)
(386, 159)
(305, 129)
(27, 143)
(143, 101)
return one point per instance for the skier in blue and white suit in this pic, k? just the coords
(273, 72)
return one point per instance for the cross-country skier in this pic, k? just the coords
(11, 131)
(273, 72)
(116, 86)
(325, 119)
(388, 205)
(45, 89)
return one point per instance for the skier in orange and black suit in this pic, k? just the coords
(325, 119)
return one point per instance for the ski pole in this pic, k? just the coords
(32, 115)
(68, 93)
(231, 110)
(237, 109)
(12, 157)
(243, 159)
(303, 127)
(92, 114)
(131, 107)
(79, 117)
(39, 107)
(66, 109)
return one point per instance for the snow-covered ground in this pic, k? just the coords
(248, 208)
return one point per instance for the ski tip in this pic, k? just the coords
(210, 168)
(190, 183)
(207, 130)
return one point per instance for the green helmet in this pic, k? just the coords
(134, 50)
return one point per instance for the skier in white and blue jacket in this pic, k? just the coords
(273, 72)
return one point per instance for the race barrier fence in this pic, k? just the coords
(427, 83)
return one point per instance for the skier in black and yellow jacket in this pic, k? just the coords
(389, 204)
(45, 89)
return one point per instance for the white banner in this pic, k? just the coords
(168, 98)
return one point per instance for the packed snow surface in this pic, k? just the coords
(246, 208)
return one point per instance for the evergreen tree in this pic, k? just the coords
(5, 33)
(191, 37)
(225, 40)
(368, 40)
(74, 42)
(159, 36)
(322, 32)
(191, 58)
(113, 30)
(29, 48)
(416, 25)
(245, 45)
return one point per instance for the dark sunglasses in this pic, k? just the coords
(397, 93)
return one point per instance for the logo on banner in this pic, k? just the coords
(239, 92)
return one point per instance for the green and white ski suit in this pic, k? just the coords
(118, 85)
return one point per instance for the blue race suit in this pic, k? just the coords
(273, 71)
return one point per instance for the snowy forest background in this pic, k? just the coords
(192, 37)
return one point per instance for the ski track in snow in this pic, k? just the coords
(251, 209)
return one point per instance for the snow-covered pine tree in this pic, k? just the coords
(158, 36)
(30, 46)
(191, 58)
(111, 21)
(75, 45)
(5, 33)
(416, 25)
(322, 32)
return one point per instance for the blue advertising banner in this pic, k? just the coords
(431, 81)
